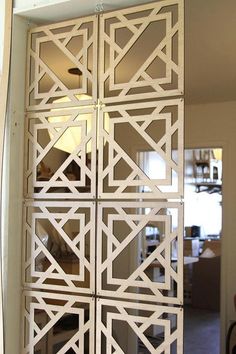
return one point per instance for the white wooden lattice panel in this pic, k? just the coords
(57, 323)
(133, 128)
(59, 237)
(52, 51)
(124, 327)
(59, 251)
(126, 267)
(155, 67)
(63, 142)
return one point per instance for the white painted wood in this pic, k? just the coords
(47, 309)
(115, 240)
(61, 256)
(59, 36)
(112, 53)
(106, 238)
(6, 33)
(12, 188)
(139, 318)
(135, 116)
(58, 185)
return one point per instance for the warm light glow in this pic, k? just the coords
(217, 154)
(71, 138)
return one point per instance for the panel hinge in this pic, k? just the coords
(99, 7)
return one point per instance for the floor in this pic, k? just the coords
(201, 331)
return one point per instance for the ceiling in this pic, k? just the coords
(210, 40)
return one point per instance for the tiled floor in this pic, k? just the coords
(201, 332)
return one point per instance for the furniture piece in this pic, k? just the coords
(206, 284)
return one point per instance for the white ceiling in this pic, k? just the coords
(59, 10)
(210, 40)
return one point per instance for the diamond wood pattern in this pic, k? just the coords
(57, 323)
(72, 168)
(125, 266)
(153, 126)
(59, 251)
(145, 328)
(156, 66)
(52, 51)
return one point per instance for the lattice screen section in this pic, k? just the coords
(155, 72)
(66, 45)
(103, 184)
(156, 127)
(59, 251)
(147, 328)
(57, 324)
(61, 154)
(124, 270)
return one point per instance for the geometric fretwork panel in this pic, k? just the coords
(57, 323)
(124, 327)
(58, 247)
(141, 150)
(60, 160)
(54, 50)
(141, 52)
(140, 251)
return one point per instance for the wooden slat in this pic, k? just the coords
(4, 84)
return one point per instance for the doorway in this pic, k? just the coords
(202, 249)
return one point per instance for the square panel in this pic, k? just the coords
(141, 150)
(58, 247)
(62, 64)
(140, 251)
(138, 328)
(56, 323)
(60, 159)
(132, 66)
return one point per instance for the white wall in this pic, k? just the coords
(12, 190)
(2, 12)
(214, 125)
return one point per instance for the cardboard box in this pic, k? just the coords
(191, 248)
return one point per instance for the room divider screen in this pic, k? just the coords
(102, 240)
